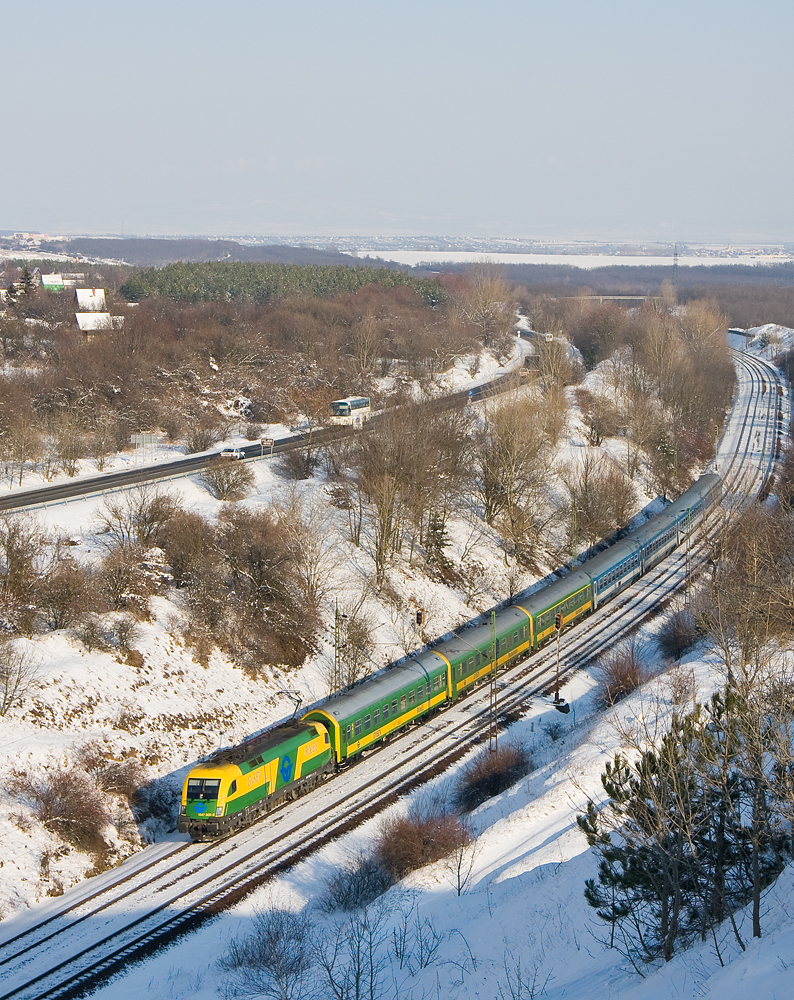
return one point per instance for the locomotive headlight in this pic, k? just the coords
(219, 811)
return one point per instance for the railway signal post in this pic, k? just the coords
(559, 703)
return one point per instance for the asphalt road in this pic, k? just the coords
(109, 481)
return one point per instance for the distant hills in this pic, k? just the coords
(157, 253)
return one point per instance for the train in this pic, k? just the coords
(236, 786)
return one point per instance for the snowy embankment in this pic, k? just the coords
(523, 900)
(522, 910)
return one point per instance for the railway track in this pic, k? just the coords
(94, 932)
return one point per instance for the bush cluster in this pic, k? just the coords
(678, 634)
(491, 773)
(620, 671)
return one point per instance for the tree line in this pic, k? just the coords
(226, 281)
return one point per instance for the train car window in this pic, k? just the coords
(402, 703)
(326, 740)
(411, 697)
(376, 718)
(347, 734)
(477, 659)
(515, 637)
(394, 706)
(358, 727)
(420, 692)
(368, 722)
(471, 663)
(386, 711)
(460, 671)
(232, 787)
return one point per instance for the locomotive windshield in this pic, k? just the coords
(203, 788)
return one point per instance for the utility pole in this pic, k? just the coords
(574, 533)
(493, 729)
(336, 686)
(688, 554)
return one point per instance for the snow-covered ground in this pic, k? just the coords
(524, 899)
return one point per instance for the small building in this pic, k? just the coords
(52, 282)
(90, 300)
(91, 322)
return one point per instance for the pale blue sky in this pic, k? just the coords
(560, 119)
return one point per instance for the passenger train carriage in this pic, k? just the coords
(236, 786)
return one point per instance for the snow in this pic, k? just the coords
(525, 896)
(585, 261)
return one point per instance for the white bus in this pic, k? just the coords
(350, 411)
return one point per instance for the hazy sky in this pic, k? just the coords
(553, 119)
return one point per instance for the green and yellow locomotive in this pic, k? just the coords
(236, 786)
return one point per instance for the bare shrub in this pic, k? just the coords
(358, 883)
(125, 581)
(682, 685)
(272, 961)
(351, 958)
(677, 634)
(136, 517)
(189, 544)
(406, 843)
(127, 630)
(63, 593)
(119, 777)
(489, 774)
(554, 729)
(253, 432)
(201, 437)
(22, 549)
(298, 463)
(66, 801)
(17, 674)
(620, 671)
(155, 806)
(309, 524)
(227, 479)
(93, 633)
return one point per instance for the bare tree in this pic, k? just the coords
(350, 958)
(136, 516)
(555, 366)
(488, 304)
(17, 674)
(309, 524)
(274, 960)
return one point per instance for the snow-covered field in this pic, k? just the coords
(524, 899)
(585, 261)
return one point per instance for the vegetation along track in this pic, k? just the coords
(111, 482)
(79, 944)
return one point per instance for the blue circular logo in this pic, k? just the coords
(286, 769)
(200, 807)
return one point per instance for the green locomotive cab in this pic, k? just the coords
(239, 784)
